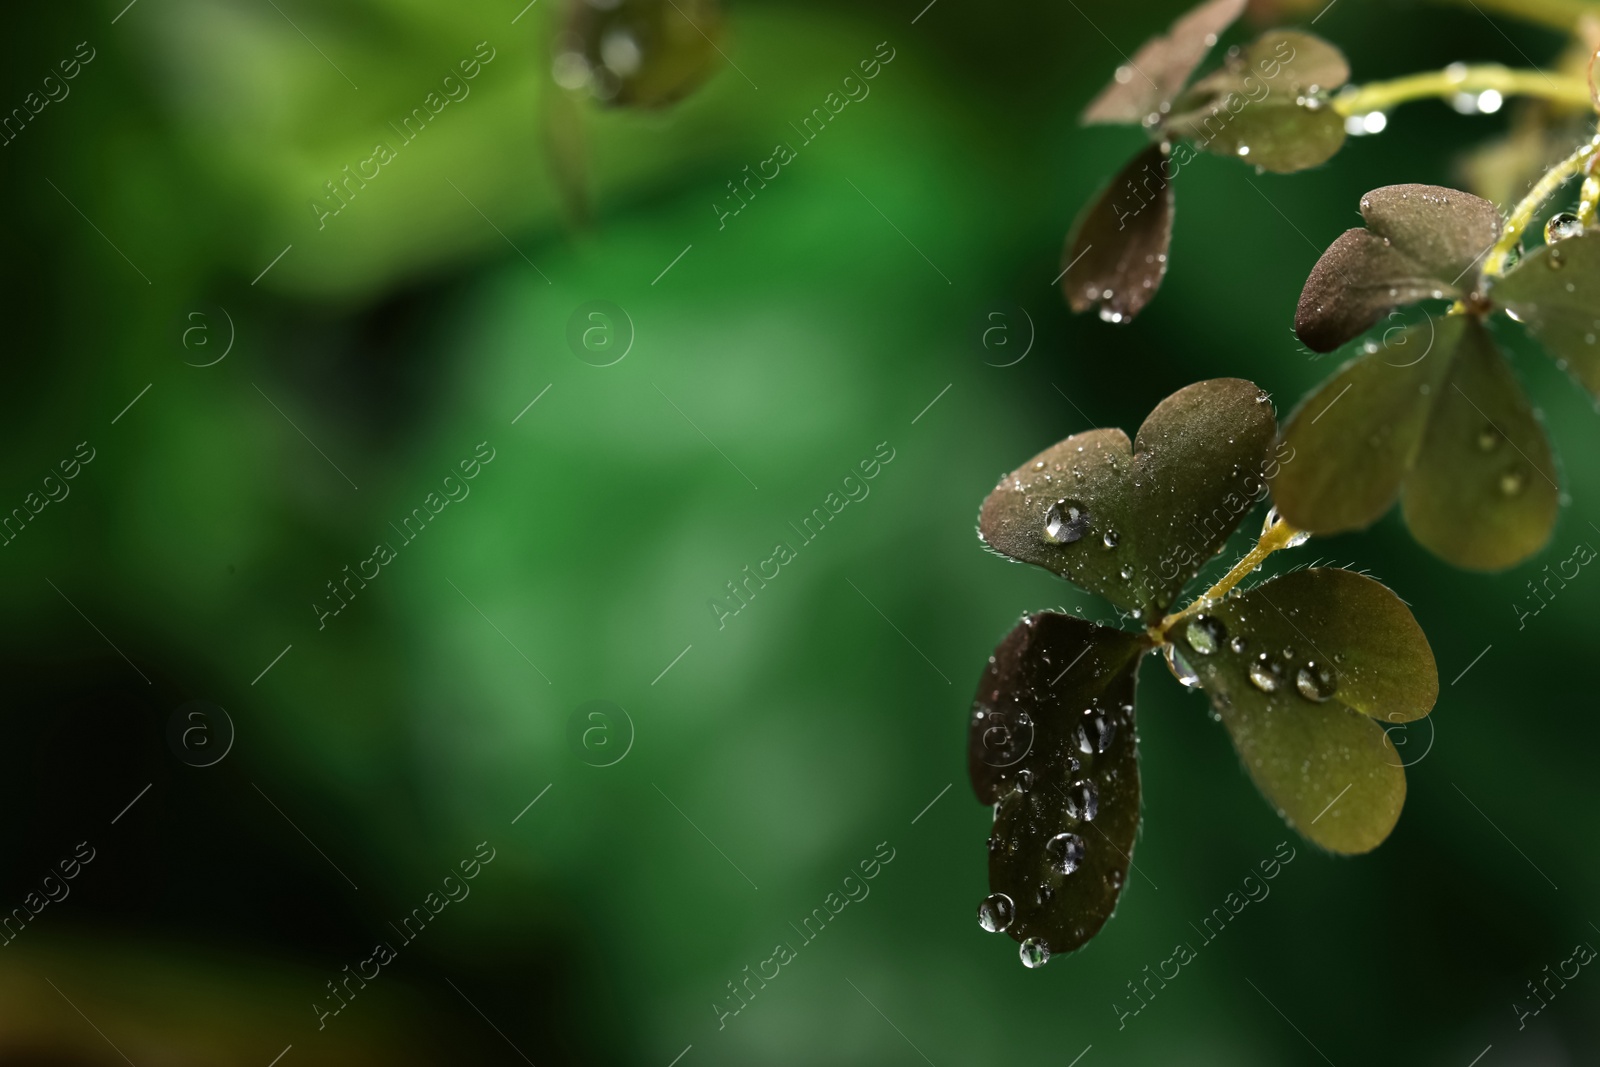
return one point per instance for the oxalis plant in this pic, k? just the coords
(1433, 416)
(1303, 670)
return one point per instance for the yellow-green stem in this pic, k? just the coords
(1445, 84)
(1494, 265)
(1277, 536)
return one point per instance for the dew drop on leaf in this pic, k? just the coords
(1205, 634)
(1064, 853)
(996, 912)
(1065, 522)
(1083, 800)
(1034, 953)
(1180, 667)
(1562, 225)
(1238, 644)
(1315, 682)
(1265, 673)
(1110, 539)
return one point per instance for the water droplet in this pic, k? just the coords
(1562, 225)
(1238, 644)
(1205, 634)
(996, 912)
(1065, 522)
(1265, 673)
(1244, 150)
(1513, 481)
(1083, 800)
(1044, 894)
(1039, 465)
(1489, 439)
(995, 845)
(1110, 539)
(1096, 731)
(1315, 682)
(1114, 879)
(1124, 75)
(1034, 953)
(1064, 853)
(1126, 572)
(1024, 780)
(1108, 315)
(1180, 667)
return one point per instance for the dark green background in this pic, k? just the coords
(805, 732)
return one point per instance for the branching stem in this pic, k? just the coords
(1279, 535)
(1446, 84)
(1494, 265)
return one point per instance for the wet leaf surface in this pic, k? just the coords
(1162, 64)
(1116, 254)
(1482, 493)
(1555, 292)
(1051, 743)
(1135, 523)
(1260, 106)
(1421, 242)
(639, 53)
(1329, 769)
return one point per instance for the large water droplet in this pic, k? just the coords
(1083, 800)
(996, 912)
(1562, 225)
(1034, 953)
(1180, 667)
(1096, 731)
(1265, 673)
(1205, 634)
(1064, 853)
(1315, 682)
(1065, 522)
(1110, 539)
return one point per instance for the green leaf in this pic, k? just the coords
(1051, 744)
(1159, 68)
(1116, 254)
(1261, 106)
(1354, 439)
(643, 53)
(1330, 635)
(1555, 291)
(1135, 523)
(1482, 492)
(1421, 242)
(1438, 417)
(1290, 704)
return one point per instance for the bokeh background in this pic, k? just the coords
(760, 760)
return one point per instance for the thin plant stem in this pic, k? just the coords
(1494, 265)
(1447, 83)
(1277, 536)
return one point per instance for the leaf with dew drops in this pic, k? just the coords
(1264, 105)
(1135, 522)
(1162, 64)
(1303, 670)
(1482, 492)
(1436, 418)
(1555, 292)
(1421, 242)
(1116, 254)
(638, 53)
(1051, 745)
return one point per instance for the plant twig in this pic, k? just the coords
(1494, 265)
(1447, 83)
(1278, 536)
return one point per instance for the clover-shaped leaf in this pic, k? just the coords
(1434, 416)
(1303, 670)
(1267, 105)
(1420, 242)
(1161, 66)
(1134, 522)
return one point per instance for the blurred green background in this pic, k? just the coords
(770, 756)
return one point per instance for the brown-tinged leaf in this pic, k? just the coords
(1421, 242)
(1555, 292)
(1135, 522)
(639, 53)
(1116, 254)
(1482, 492)
(1051, 744)
(1158, 70)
